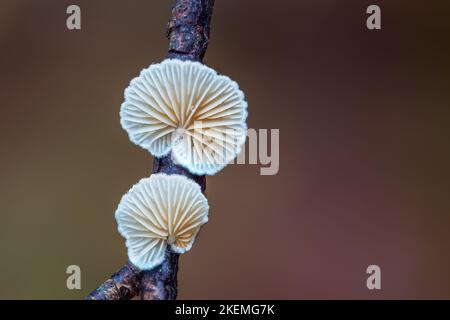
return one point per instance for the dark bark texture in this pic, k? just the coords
(161, 283)
(188, 29)
(188, 33)
(123, 285)
(166, 165)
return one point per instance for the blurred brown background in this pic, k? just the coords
(364, 148)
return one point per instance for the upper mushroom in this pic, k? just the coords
(187, 108)
(159, 211)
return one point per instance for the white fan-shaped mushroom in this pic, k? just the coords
(187, 108)
(158, 211)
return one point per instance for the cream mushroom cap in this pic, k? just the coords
(159, 211)
(187, 108)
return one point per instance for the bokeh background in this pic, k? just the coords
(364, 119)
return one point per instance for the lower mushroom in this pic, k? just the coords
(160, 211)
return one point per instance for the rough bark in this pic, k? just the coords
(161, 283)
(166, 165)
(188, 33)
(188, 29)
(123, 285)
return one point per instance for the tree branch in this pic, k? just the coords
(161, 283)
(188, 33)
(123, 285)
(188, 29)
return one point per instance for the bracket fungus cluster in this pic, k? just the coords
(186, 109)
(193, 121)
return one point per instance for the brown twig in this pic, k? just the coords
(161, 283)
(188, 33)
(123, 285)
(188, 29)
